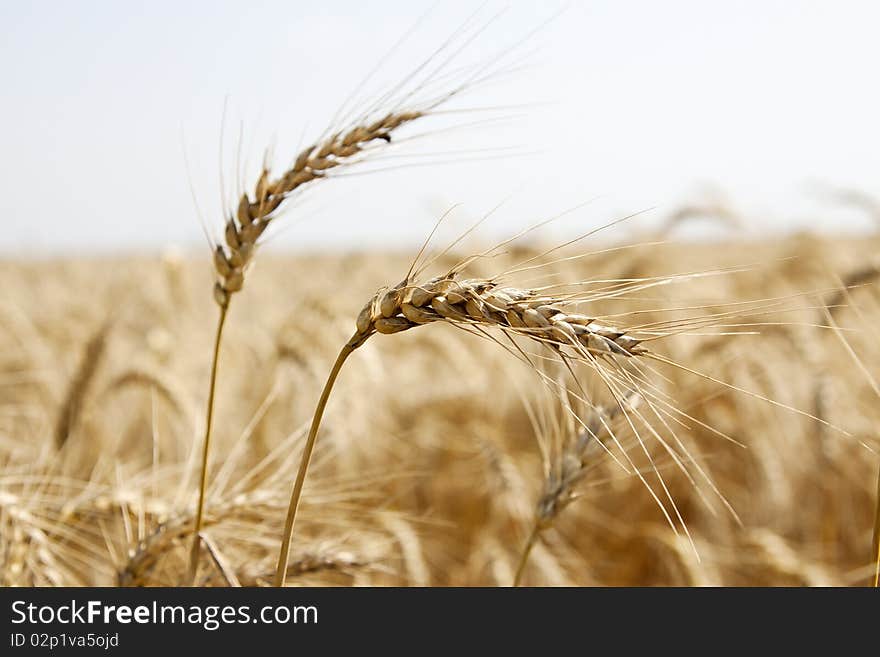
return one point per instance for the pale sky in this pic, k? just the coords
(635, 104)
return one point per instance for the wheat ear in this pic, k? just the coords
(79, 386)
(471, 304)
(571, 467)
(254, 214)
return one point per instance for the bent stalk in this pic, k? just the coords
(296, 494)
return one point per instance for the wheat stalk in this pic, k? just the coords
(833, 304)
(416, 97)
(473, 304)
(255, 212)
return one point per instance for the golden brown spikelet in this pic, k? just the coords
(258, 209)
(481, 302)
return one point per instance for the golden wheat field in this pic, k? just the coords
(437, 445)
(568, 404)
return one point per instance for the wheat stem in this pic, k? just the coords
(877, 536)
(209, 417)
(524, 557)
(281, 569)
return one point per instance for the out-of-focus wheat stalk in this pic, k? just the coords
(861, 276)
(71, 407)
(567, 471)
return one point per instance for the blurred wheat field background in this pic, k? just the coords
(641, 405)
(429, 466)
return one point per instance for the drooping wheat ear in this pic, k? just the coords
(475, 304)
(569, 469)
(485, 303)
